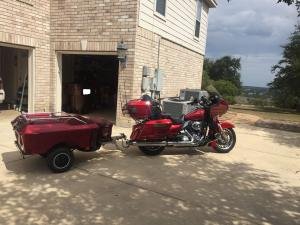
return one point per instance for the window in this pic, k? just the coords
(198, 18)
(161, 7)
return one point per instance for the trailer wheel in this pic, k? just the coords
(155, 150)
(60, 159)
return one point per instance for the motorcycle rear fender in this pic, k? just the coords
(226, 124)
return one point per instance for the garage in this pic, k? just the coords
(90, 84)
(13, 78)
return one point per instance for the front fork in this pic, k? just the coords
(215, 128)
(217, 133)
(221, 131)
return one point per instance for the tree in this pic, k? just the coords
(223, 76)
(285, 88)
(207, 65)
(206, 81)
(226, 88)
(290, 2)
(225, 68)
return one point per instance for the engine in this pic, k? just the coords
(193, 130)
(196, 126)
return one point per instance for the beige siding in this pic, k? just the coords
(179, 23)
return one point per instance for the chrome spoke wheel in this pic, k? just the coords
(226, 141)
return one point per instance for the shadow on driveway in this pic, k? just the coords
(110, 187)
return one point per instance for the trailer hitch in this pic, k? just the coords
(123, 138)
(119, 137)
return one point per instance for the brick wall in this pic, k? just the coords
(27, 23)
(101, 24)
(182, 67)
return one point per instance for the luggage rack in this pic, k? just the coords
(32, 117)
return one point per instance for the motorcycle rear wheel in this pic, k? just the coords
(151, 150)
(227, 145)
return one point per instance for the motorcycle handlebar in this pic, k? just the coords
(203, 102)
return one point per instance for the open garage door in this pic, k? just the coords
(13, 78)
(90, 84)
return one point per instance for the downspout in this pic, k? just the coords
(158, 53)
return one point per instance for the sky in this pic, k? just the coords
(253, 30)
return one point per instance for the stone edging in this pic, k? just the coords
(287, 126)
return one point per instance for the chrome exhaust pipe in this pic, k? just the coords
(165, 144)
(190, 143)
(149, 144)
(182, 144)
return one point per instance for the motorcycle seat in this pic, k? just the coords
(174, 120)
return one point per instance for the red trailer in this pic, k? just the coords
(55, 136)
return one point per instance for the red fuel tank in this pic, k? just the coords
(195, 115)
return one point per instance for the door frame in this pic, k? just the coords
(31, 72)
(59, 72)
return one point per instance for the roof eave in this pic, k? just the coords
(211, 3)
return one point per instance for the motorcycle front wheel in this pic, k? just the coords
(151, 150)
(226, 142)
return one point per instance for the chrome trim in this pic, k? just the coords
(190, 143)
(57, 118)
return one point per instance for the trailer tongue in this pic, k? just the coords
(56, 135)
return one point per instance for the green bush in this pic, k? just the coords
(206, 81)
(285, 86)
(226, 88)
(258, 102)
(230, 99)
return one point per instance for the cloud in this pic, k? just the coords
(253, 29)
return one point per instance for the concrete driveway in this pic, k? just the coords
(257, 183)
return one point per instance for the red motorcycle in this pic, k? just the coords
(154, 130)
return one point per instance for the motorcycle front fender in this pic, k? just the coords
(224, 125)
(227, 124)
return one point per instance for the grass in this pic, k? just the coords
(270, 113)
